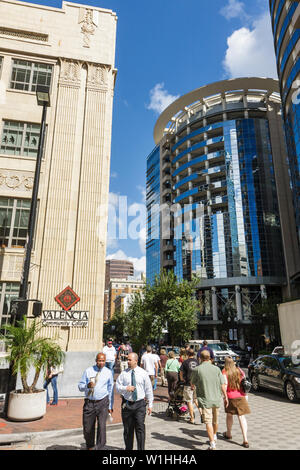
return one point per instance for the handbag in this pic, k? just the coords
(245, 385)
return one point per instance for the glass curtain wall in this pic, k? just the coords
(153, 215)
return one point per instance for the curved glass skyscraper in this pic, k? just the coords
(285, 16)
(221, 149)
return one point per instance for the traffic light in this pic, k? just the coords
(18, 308)
(37, 309)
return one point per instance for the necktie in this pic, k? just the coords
(133, 383)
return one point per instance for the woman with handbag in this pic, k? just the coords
(238, 403)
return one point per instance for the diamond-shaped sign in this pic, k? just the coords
(67, 298)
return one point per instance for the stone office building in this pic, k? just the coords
(71, 50)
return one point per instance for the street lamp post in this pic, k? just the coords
(43, 99)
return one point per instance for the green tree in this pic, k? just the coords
(138, 321)
(116, 326)
(165, 303)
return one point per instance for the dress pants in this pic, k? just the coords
(133, 417)
(95, 411)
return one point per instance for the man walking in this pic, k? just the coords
(189, 393)
(111, 355)
(97, 383)
(123, 357)
(134, 385)
(149, 362)
(210, 385)
(205, 348)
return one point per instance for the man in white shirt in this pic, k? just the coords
(135, 386)
(149, 362)
(111, 355)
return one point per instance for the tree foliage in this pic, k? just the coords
(166, 303)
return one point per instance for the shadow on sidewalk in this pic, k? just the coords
(178, 441)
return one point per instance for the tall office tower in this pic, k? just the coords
(153, 198)
(115, 269)
(285, 16)
(218, 162)
(71, 50)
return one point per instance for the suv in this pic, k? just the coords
(220, 350)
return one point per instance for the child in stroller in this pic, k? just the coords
(176, 406)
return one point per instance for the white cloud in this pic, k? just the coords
(113, 199)
(142, 190)
(234, 9)
(114, 174)
(250, 51)
(142, 240)
(138, 263)
(160, 99)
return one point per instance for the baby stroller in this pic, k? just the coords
(176, 406)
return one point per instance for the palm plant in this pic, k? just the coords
(26, 349)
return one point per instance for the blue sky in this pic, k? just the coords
(166, 48)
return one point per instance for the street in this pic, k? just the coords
(274, 424)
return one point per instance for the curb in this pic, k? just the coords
(32, 436)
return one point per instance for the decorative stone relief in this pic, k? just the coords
(23, 34)
(70, 72)
(88, 27)
(16, 182)
(98, 76)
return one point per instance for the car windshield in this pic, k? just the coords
(176, 349)
(218, 346)
(290, 363)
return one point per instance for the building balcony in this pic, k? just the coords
(169, 263)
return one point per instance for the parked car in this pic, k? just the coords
(276, 372)
(176, 350)
(278, 350)
(242, 353)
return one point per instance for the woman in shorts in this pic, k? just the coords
(238, 403)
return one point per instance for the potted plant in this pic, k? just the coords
(26, 350)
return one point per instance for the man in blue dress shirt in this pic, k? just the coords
(135, 387)
(97, 382)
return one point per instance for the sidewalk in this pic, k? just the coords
(67, 415)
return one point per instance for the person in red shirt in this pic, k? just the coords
(238, 404)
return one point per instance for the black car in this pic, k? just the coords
(275, 372)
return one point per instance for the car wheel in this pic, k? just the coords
(255, 383)
(290, 391)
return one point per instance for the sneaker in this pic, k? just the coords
(215, 438)
(212, 446)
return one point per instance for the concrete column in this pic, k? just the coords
(93, 198)
(238, 299)
(214, 303)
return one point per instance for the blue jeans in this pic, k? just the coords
(110, 365)
(53, 382)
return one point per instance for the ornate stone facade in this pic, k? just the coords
(69, 247)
